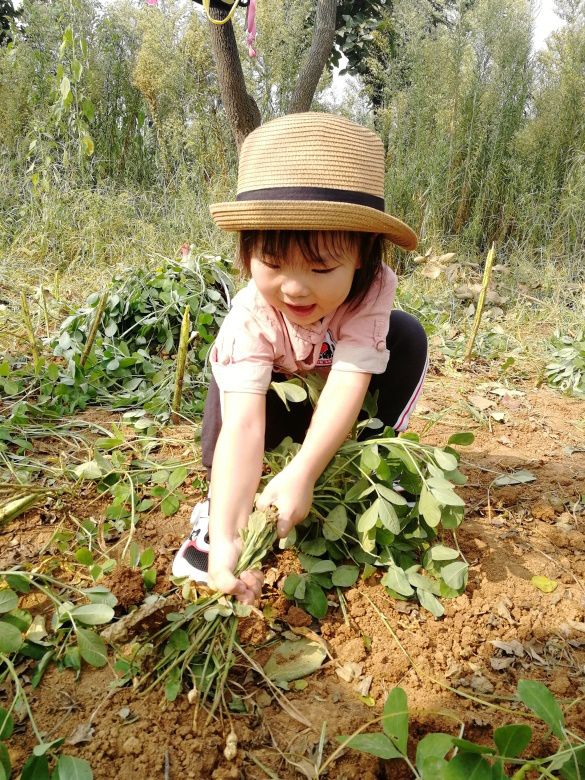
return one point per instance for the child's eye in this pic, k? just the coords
(323, 270)
(272, 266)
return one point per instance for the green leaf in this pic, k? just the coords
(65, 88)
(87, 145)
(463, 439)
(45, 747)
(147, 558)
(170, 505)
(374, 744)
(429, 508)
(177, 476)
(369, 518)
(388, 516)
(344, 576)
(314, 546)
(435, 745)
(41, 668)
(84, 556)
(20, 582)
(361, 489)
(390, 495)
(179, 639)
(287, 391)
(516, 478)
(396, 579)
(395, 718)
(537, 697)
(445, 460)
(8, 600)
(99, 594)
(369, 459)
(149, 578)
(10, 638)
(512, 740)
(92, 647)
(93, 614)
(5, 763)
(441, 553)
(36, 768)
(72, 768)
(455, 574)
(6, 724)
(173, 685)
(315, 600)
(467, 766)
(465, 745)
(290, 584)
(89, 470)
(430, 602)
(315, 565)
(335, 523)
(294, 660)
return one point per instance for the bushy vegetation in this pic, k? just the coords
(115, 139)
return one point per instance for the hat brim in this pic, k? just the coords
(311, 215)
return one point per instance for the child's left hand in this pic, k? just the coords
(291, 492)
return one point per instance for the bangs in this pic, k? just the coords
(313, 244)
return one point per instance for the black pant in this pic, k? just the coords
(398, 390)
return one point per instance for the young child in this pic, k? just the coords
(310, 213)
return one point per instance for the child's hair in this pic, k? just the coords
(277, 243)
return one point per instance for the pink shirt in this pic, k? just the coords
(256, 339)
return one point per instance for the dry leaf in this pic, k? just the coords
(432, 271)
(498, 664)
(480, 402)
(363, 687)
(445, 258)
(514, 647)
(83, 733)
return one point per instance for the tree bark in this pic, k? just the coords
(242, 112)
(317, 56)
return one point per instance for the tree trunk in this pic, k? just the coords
(242, 112)
(317, 56)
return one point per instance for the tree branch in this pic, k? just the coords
(317, 56)
(240, 107)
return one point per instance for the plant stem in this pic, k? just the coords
(181, 362)
(29, 330)
(479, 310)
(94, 329)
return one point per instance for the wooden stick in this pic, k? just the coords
(181, 362)
(29, 330)
(479, 310)
(94, 328)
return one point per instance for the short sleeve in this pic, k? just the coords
(361, 344)
(242, 356)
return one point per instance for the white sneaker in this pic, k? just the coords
(193, 556)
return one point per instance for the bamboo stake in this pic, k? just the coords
(181, 362)
(481, 300)
(94, 328)
(29, 330)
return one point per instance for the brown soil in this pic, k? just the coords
(510, 534)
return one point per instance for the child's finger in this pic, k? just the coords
(224, 581)
(254, 579)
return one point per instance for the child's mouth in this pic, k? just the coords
(301, 311)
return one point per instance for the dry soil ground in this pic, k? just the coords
(501, 630)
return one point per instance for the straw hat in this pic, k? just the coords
(312, 171)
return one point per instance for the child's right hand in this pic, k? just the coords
(223, 557)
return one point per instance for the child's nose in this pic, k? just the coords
(294, 286)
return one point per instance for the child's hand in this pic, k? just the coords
(291, 492)
(223, 557)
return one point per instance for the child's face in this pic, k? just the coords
(303, 292)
